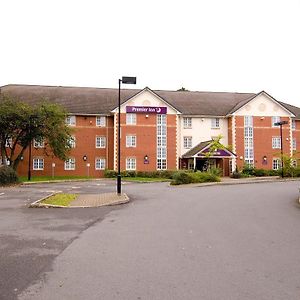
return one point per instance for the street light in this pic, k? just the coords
(281, 145)
(125, 80)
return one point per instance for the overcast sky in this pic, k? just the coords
(211, 45)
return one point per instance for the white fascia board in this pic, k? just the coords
(115, 110)
(267, 95)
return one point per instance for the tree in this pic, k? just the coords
(21, 123)
(214, 146)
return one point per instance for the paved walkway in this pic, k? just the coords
(94, 200)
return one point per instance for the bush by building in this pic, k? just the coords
(166, 174)
(8, 175)
(182, 177)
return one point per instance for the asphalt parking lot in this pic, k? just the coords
(217, 242)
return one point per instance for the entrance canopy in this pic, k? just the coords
(203, 150)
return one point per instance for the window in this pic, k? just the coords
(38, 143)
(100, 121)
(248, 121)
(248, 140)
(8, 142)
(276, 164)
(276, 142)
(38, 164)
(161, 142)
(215, 123)
(293, 124)
(294, 144)
(275, 120)
(187, 142)
(71, 120)
(130, 163)
(130, 119)
(70, 164)
(187, 122)
(100, 163)
(72, 142)
(100, 141)
(130, 141)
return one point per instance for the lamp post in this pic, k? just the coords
(281, 144)
(125, 80)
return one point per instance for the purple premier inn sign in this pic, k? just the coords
(218, 152)
(146, 110)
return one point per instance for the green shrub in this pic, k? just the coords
(248, 170)
(110, 174)
(8, 175)
(182, 177)
(260, 172)
(215, 171)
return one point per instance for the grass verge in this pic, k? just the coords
(60, 199)
(144, 179)
(50, 178)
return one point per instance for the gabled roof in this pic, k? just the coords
(86, 100)
(196, 149)
(203, 147)
(244, 102)
(152, 92)
(295, 110)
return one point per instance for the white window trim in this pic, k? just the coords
(294, 146)
(73, 165)
(101, 145)
(69, 120)
(215, 123)
(129, 141)
(130, 168)
(187, 123)
(275, 121)
(100, 121)
(131, 119)
(187, 142)
(38, 168)
(276, 142)
(100, 159)
(278, 164)
(37, 144)
(72, 141)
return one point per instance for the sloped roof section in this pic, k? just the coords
(76, 100)
(85, 100)
(295, 110)
(196, 149)
(203, 103)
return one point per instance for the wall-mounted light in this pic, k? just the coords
(262, 118)
(84, 157)
(21, 158)
(241, 157)
(147, 116)
(146, 159)
(264, 160)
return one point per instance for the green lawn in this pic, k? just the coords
(50, 178)
(60, 199)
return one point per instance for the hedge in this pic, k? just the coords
(8, 175)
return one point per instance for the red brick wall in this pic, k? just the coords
(145, 131)
(262, 134)
(85, 132)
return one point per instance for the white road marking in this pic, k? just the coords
(2, 194)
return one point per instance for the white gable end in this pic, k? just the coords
(147, 98)
(263, 105)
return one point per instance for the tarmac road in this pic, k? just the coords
(217, 242)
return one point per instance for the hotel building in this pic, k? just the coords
(163, 130)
